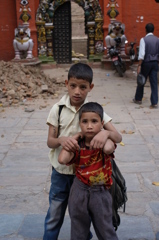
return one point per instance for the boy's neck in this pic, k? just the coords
(76, 107)
(87, 141)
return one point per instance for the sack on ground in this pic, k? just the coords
(118, 192)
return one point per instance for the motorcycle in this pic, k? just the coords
(118, 63)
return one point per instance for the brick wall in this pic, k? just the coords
(136, 14)
(8, 23)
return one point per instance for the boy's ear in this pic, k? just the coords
(66, 83)
(91, 86)
(103, 123)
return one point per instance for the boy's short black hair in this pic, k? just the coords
(91, 107)
(149, 28)
(81, 71)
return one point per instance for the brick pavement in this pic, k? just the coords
(25, 169)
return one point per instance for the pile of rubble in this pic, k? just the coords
(19, 82)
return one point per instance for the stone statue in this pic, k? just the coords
(23, 44)
(116, 29)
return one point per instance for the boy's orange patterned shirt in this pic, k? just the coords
(92, 167)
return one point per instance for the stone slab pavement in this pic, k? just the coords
(25, 168)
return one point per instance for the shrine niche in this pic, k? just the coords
(53, 21)
(22, 43)
(115, 29)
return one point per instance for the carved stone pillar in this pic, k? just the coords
(42, 45)
(44, 24)
(49, 37)
(91, 38)
(98, 33)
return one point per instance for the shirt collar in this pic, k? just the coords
(65, 100)
(149, 34)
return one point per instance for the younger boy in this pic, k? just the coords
(89, 197)
(61, 130)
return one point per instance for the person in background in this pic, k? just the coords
(148, 65)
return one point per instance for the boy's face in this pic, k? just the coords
(90, 124)
(78, 90)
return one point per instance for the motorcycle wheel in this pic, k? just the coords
(119, 70)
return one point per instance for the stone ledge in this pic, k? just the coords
(109, 60)
(28, 62)
(107, 63)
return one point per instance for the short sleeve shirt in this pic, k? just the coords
(68, 126)
(142, 48)
(92, 166)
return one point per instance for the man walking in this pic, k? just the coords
(148, 65)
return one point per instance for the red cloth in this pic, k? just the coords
(92, 167)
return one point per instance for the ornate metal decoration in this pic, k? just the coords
(24, 2)
(25, 16)
(112, 12)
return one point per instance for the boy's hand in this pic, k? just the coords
(99, 139)
(70, 144)
(78, 135)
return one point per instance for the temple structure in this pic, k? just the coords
(49, 26)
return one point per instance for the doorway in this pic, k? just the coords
(62, 44)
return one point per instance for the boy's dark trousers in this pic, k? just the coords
(58, 200)
(87, 202)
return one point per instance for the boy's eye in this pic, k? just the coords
(83, 87)
(84, 121)
(72, 85)
(94, 120)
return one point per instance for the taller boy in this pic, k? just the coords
(79, 84)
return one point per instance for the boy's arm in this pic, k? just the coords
(113, 134)
(65, 156)
(109, 147)
(68, 143)
(109, 132)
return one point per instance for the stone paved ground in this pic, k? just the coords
(25, 169)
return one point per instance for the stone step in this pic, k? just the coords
(79, 45)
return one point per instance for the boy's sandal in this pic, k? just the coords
(153, 106)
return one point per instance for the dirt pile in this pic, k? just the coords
(19, 82)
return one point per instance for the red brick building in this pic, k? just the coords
(133, 13)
